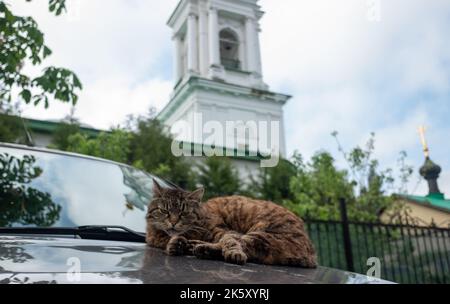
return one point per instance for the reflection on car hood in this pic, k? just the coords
(28, 259)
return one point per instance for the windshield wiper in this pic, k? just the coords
(113, 233)
(90, 232)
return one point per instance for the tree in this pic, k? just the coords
(22, 43)
(143, 143)
(10, 124)
(319, 185)
(218, 177)
(114, 145)
(60, 138)
(273, 183)
(150, 150)
(19, 202)
(372, 183)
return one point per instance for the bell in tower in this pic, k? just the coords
(229, 50)
(218, 40)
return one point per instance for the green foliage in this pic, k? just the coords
(9, 128)
(19, 202)
(113, 146)
(22, 43)
(319, 185)
(12, 128)
(405, 172)
(273, 183)
(60, 138)
(310, 189)
(151, 151)
(143, 143)
(10, 124)
(56, 6)
(218, 176)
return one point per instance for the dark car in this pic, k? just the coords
(68, 218)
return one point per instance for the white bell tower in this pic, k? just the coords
(218, 72)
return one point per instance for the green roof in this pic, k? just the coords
(197, 149)
(434, 200)
(45, 126)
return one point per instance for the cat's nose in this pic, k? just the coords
(173, 220)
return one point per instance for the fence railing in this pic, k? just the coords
(407, 254)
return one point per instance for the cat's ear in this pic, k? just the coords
(197, 195)
(157, 189)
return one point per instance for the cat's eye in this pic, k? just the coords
(185, 213)
(184, 208)
(163, 211)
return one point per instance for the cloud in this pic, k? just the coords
(356, 76)
(109, 101)
(346, 71)
(121, 50)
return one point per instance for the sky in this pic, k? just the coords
(354, 66)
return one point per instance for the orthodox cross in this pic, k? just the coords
(426, 151)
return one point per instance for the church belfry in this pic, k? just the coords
(218, 70)
(213, 39)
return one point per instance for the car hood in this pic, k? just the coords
(28, 259)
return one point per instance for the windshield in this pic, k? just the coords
(53, 190)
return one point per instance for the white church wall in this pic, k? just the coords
(183, 111)
(220, 90)
(225, 108)
(238, 77)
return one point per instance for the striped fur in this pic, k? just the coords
(235, 229)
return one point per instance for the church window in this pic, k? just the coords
(229, 49)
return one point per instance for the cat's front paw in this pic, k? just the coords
(176, 245)
(207, 251)
(191, 245)
(235, 256)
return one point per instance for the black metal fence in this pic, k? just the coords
(407, 253)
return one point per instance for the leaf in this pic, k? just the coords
(37, 100)
(26, 95)
(76, 82)
(46, 52)
(57, 6)
(25, 45)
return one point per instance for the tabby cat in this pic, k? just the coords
(235, 229)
